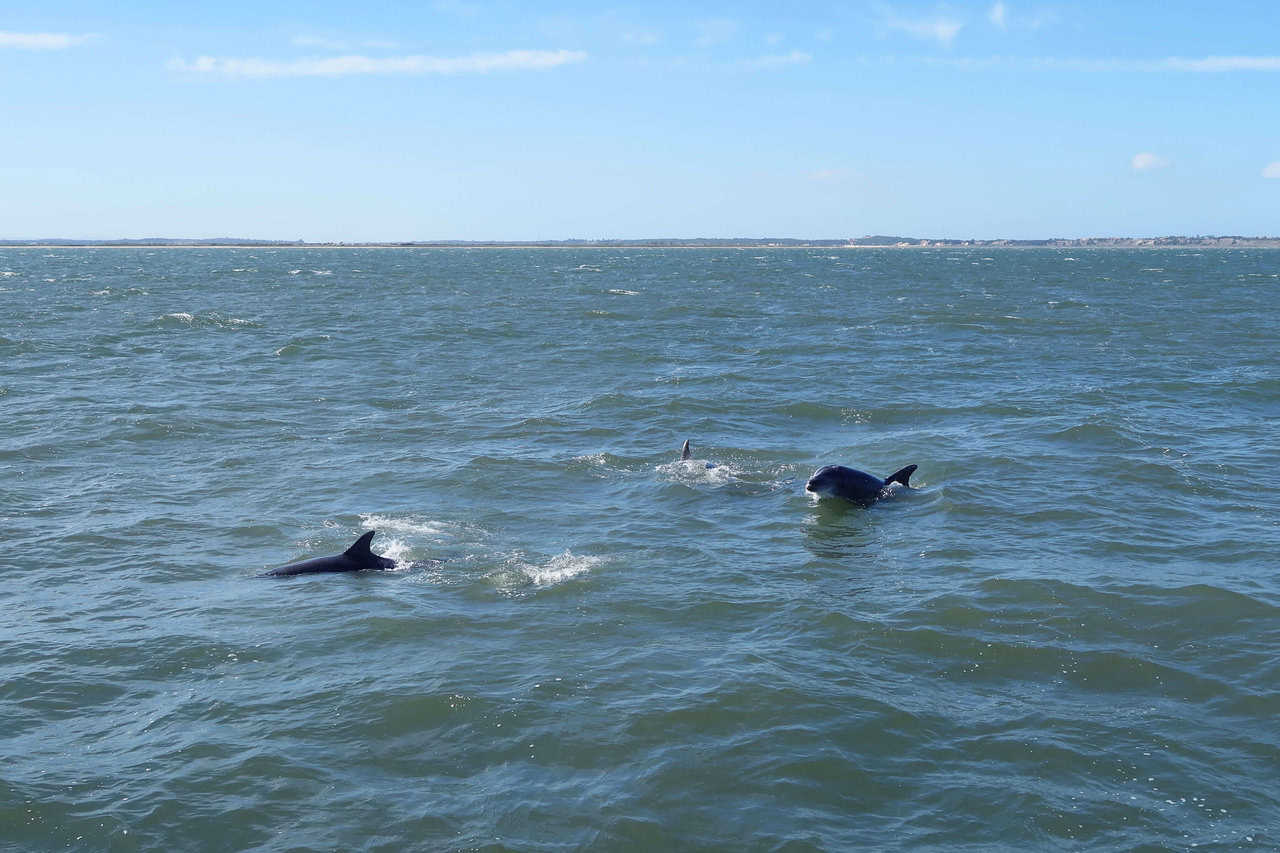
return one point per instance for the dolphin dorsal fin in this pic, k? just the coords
(360, 548)
(685, 452)
(901, 475)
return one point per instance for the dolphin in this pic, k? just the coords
(686, 455)
(357, 558)
(837, 481)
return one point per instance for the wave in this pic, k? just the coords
(436, 531)
(208, 320)
(560, 568)
(517, 573)
(302, 344)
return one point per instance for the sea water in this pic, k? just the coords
(1066, 635)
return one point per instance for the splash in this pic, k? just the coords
(560, 568)
(699, 472)
(436, 531)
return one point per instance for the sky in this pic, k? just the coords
(479, 120)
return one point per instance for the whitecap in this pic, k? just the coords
(560, 568)
(439, 531)
(620, 292)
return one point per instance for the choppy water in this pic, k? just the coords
(1068, 637)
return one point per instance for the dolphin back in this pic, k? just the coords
(355, 559)
(359, 549)
(902, 475)
(363, 558)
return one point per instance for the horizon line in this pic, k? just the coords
(881, 239)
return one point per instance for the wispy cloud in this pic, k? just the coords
(938, 28)
(774, 62)
(338, 66)
(1272, 170)
(1146, 161)
(1002, 17)
(42, 41)
(996, 15)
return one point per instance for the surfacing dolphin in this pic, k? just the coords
(686, 455)
(837, 481)
(357, 558)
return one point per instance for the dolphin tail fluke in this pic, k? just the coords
(360, 548)
(685, 452)
(901, 476)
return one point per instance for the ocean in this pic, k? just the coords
(1065, 636)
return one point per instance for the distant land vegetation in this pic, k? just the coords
(871, 241)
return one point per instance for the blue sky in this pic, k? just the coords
(469, 119)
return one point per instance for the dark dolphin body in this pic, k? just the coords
(686, 454)
(357, 558)
(837, 481)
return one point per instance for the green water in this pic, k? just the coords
(1066, 636)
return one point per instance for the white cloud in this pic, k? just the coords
(337, 66)
(1272, 170)
(42, 41)
(939, 29)
(1146, 161)
(996, 15)
(776, 61)
(1000, 17)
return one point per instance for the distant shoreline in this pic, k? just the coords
(875, 242)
